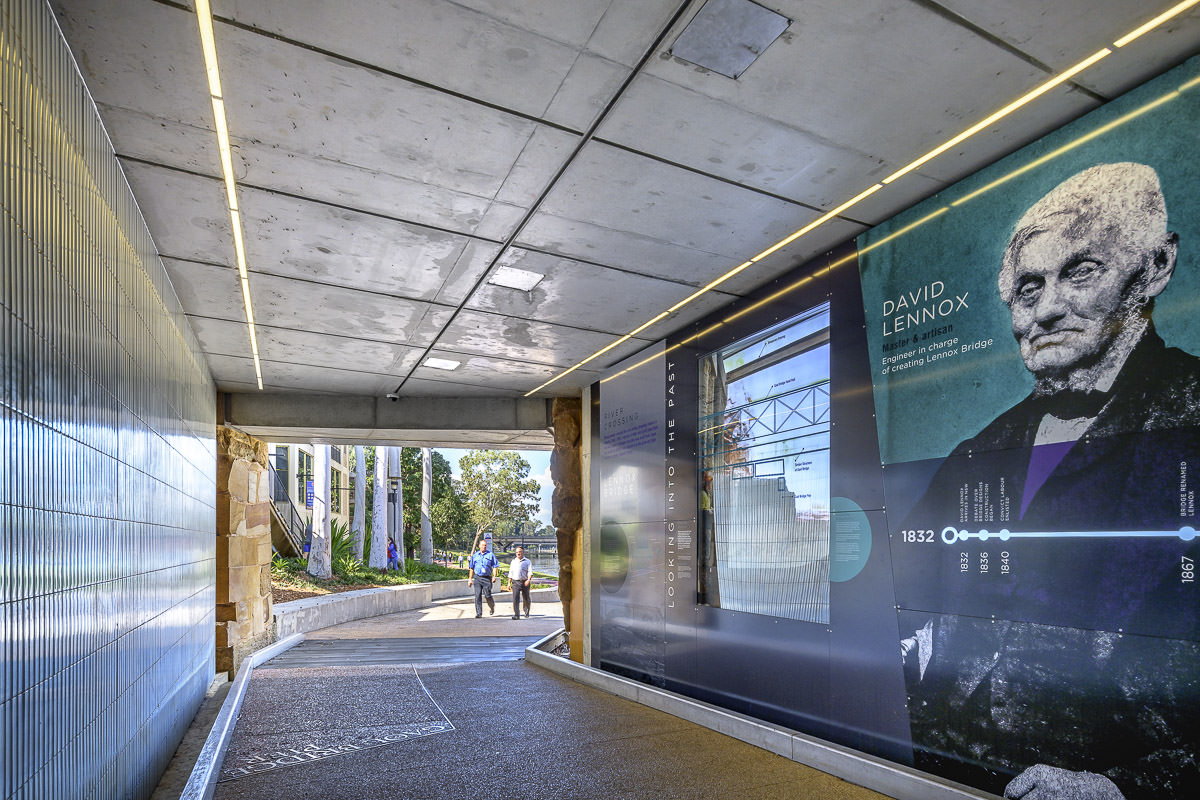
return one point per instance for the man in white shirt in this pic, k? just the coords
(520, 573)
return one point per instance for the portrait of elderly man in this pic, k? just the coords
(1080, 276)
(1077, 675)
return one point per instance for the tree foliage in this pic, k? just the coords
(497, 480)
(451, 520)
(443, 492)
(496, 488)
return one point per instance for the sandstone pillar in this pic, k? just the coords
(243, 548)
(567, 510)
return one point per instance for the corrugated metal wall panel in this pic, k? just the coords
(107, 520)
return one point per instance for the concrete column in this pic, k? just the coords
(320, 556)
(426, 501)
(379, 516)
(360, 500)
(243, 563)
(567, 512)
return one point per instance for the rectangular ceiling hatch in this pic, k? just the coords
(726, 36)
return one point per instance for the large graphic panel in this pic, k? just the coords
(632, 431)
(1004, 476)
(1033, 343)
(1080, 713)
(630, 541)
(1032, 338)
(940, 332)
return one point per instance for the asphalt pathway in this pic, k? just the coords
(442, 727)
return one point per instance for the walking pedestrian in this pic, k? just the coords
(483, 568)
(520, 575)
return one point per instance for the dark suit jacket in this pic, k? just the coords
(1092, 660)
(1125, 472)
(1123, 475)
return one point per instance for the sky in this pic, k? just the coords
(539, 470)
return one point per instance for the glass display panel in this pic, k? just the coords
(763, 546)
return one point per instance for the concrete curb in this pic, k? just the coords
(880, 775)
(203, 781)
(314, 613)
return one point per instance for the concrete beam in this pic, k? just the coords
(498, 423)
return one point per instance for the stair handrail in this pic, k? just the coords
(295, 521)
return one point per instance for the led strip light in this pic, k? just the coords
(209, 46)
(1132, 115)
(1030, 96)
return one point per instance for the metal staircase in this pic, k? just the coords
(289, 523)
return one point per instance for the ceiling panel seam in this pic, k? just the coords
(286, 329)
(471, 236)
(391, 73)
(720, 178)
(993, 39)
(554, 179)
(429, 303)
(311, 281)
(474, 236)
(469, 354)
(294, 363)
(579, 51)
(314, 200)
(532, 248)
(446, 350)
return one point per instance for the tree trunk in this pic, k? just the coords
(396, 473)
(360, 500)
(426, 500)
(379, 516)
(320, 556)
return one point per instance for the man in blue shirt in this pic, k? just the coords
(483, 567)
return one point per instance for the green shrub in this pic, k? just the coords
(341, 542)
(345, 565)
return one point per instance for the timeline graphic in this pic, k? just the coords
(953, 535)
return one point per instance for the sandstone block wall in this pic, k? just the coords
(244, 614)
(567, 509)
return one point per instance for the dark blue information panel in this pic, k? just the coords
(932, 495)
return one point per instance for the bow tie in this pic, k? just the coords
(1073, 403)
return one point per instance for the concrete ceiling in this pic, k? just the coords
(391, 154)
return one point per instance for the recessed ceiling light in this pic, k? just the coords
(514, 278)
(441, 363)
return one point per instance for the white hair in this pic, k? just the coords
(1127, 195)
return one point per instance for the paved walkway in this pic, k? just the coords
(352, 719)
(454, 618)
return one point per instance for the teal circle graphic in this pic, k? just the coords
(849, 539)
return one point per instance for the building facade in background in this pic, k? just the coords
(292, 479)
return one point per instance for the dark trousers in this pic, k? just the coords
(483, 589)
(520, 589)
